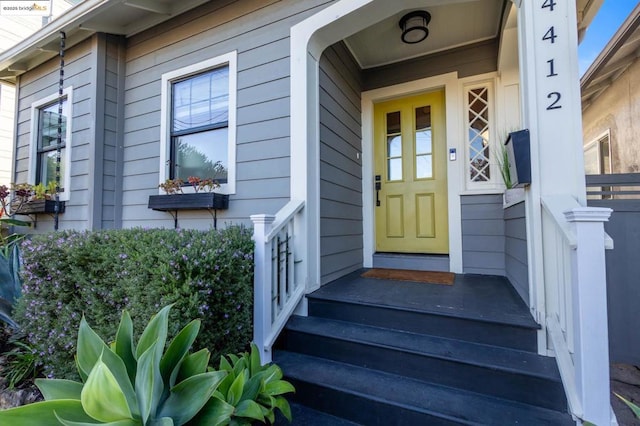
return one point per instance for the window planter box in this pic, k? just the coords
(39, 206)
(199, 201)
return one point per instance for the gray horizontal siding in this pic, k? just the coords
(40, 83)
(259, 32)
(340, 169)
(111, 206)
(483, 234)
(467, 61)
(516, 263)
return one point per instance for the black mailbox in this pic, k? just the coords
(519, 155)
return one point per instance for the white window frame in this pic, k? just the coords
(33, 151)
(596, 142)
(228, 59)
(495, 180)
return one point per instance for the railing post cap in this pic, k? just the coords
(262, 218)
(588, 214)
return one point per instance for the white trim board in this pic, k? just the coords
(33, 141)
(230, 59)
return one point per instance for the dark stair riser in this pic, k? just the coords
(490, 333)
(361, 409)
(517, 386)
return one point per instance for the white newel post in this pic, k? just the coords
(262, 272)
(589, 289)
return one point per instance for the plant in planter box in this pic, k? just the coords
(203, 196)
(38, 198)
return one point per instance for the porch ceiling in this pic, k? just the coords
(454, 24)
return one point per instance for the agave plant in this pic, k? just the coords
(250, 392)
(127, 384)
(10, 282)
(631, 405)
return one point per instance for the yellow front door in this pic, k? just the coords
(411, 175)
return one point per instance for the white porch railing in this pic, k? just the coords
(576, 311)
(278, 288)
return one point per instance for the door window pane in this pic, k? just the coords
(394, 146)
(424, 147)
(393, 123)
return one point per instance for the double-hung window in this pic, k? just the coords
(45, 123)
(199, 122)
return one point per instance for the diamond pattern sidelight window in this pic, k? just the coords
(478, 130)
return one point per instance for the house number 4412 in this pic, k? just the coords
(550, 37)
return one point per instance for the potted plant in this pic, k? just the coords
(511, 195)
(31, 199)
(203, 196)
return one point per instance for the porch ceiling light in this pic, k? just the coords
(414, 26)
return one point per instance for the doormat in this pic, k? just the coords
(427, 277)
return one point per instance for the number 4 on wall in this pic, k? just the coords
(549, 3)
(550, 35)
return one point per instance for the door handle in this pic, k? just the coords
(378, 188)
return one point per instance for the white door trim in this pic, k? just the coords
(448, 82)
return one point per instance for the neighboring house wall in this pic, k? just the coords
(7, 105)
(616, 110)
(483, 234)
(42, 82)
(516, 263)
(340, 163)
(259, 32)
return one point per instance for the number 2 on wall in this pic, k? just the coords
(555, 97)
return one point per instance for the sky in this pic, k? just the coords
(604, 25)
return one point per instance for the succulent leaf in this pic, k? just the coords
(178, 349)
(189, 396)
(43, 413)
(53, 389)
(102, 397)
(124, 346)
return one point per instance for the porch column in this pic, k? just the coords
(551, 96)
(551, 111)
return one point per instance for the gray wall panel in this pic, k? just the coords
(340, 140)
(623, 270)
(259, 32)
(40, 83)
(516, 249)
(483, 234)
(470, 60)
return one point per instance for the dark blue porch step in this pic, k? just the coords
(481, 309)
(373, 397)
(511, 374)
(521, 336)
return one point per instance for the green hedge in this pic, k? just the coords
(208, 275)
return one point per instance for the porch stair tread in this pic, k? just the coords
(478, 354)
(474, 297)
(305, 416)
(394, 399)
